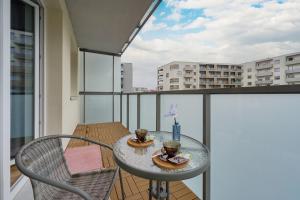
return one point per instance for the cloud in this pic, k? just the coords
(175, 15)
(231, 31)
(152, 26)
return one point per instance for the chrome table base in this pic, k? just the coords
(159, 190)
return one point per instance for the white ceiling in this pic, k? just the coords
(105, 25)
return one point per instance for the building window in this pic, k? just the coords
(276, 61)
(249, 70)
(175, 66)
(249, 83)
(174, 80)
(167, 75)
(179, 73)
(249, 77)
(174, 87)
(277, 77)
(276, 69)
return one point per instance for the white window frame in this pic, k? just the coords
(4, 99)
(17, 186)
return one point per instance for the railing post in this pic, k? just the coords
(121, 107)
(206, 141)
(138, 114)
(158, 112)
(127, 111)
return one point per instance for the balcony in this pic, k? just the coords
(292, 71)
(293, 62)
(267, 73)
(264, 66)
(188, 82)
(188, 75)
(293, 80)
(264, 82)
(252, 133)
(188, 68)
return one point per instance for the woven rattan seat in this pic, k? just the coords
(42, 160)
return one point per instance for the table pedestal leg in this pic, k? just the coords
(150, 190)
(159, 190)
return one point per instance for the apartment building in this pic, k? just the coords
(194, 75)
(140, 89)
(126, 77)
(280, 70)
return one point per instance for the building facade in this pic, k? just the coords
(194, 75)
(280, 70)
(126, 77)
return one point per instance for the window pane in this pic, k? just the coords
(117, 108)
(22, 75)
(117, 74)
(132, 113)
(190, 117)
(98, 72)
(124, 110)
(98, 108)
(148, 112)
(255, 147)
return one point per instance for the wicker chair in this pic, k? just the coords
(42, 160)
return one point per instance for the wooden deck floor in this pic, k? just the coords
(135, 187)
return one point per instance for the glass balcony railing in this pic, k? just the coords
(253, 138)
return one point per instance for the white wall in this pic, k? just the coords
(61, 113)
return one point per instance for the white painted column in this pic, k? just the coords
(4, 99)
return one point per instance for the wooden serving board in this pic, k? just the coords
(166, 164)
(138, 144)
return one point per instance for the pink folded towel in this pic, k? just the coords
(83, 159)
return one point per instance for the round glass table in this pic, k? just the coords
(138, 161)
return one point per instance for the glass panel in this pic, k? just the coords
(117, 74)
(124, 110)
(117, 108)
(98, 72)
(148, 112)
(22, 74)
(81, 71)
(132, 113)
(255, 147)
(98, 108)
(81, 102)
(190, 117)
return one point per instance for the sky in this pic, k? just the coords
(230, 31)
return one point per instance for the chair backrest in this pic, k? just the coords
(44, 157)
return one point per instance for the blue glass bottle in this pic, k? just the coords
(176, 131)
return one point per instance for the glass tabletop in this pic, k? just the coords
(138, 161)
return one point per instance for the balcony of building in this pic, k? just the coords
(292, 70)
(188, 68)
(188, 74)
(264, 73)
(292, 60)
(292, 79)
(264, 82)
(260, 66)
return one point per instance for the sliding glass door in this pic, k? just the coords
(24, 73)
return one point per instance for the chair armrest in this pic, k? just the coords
(57, 184)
